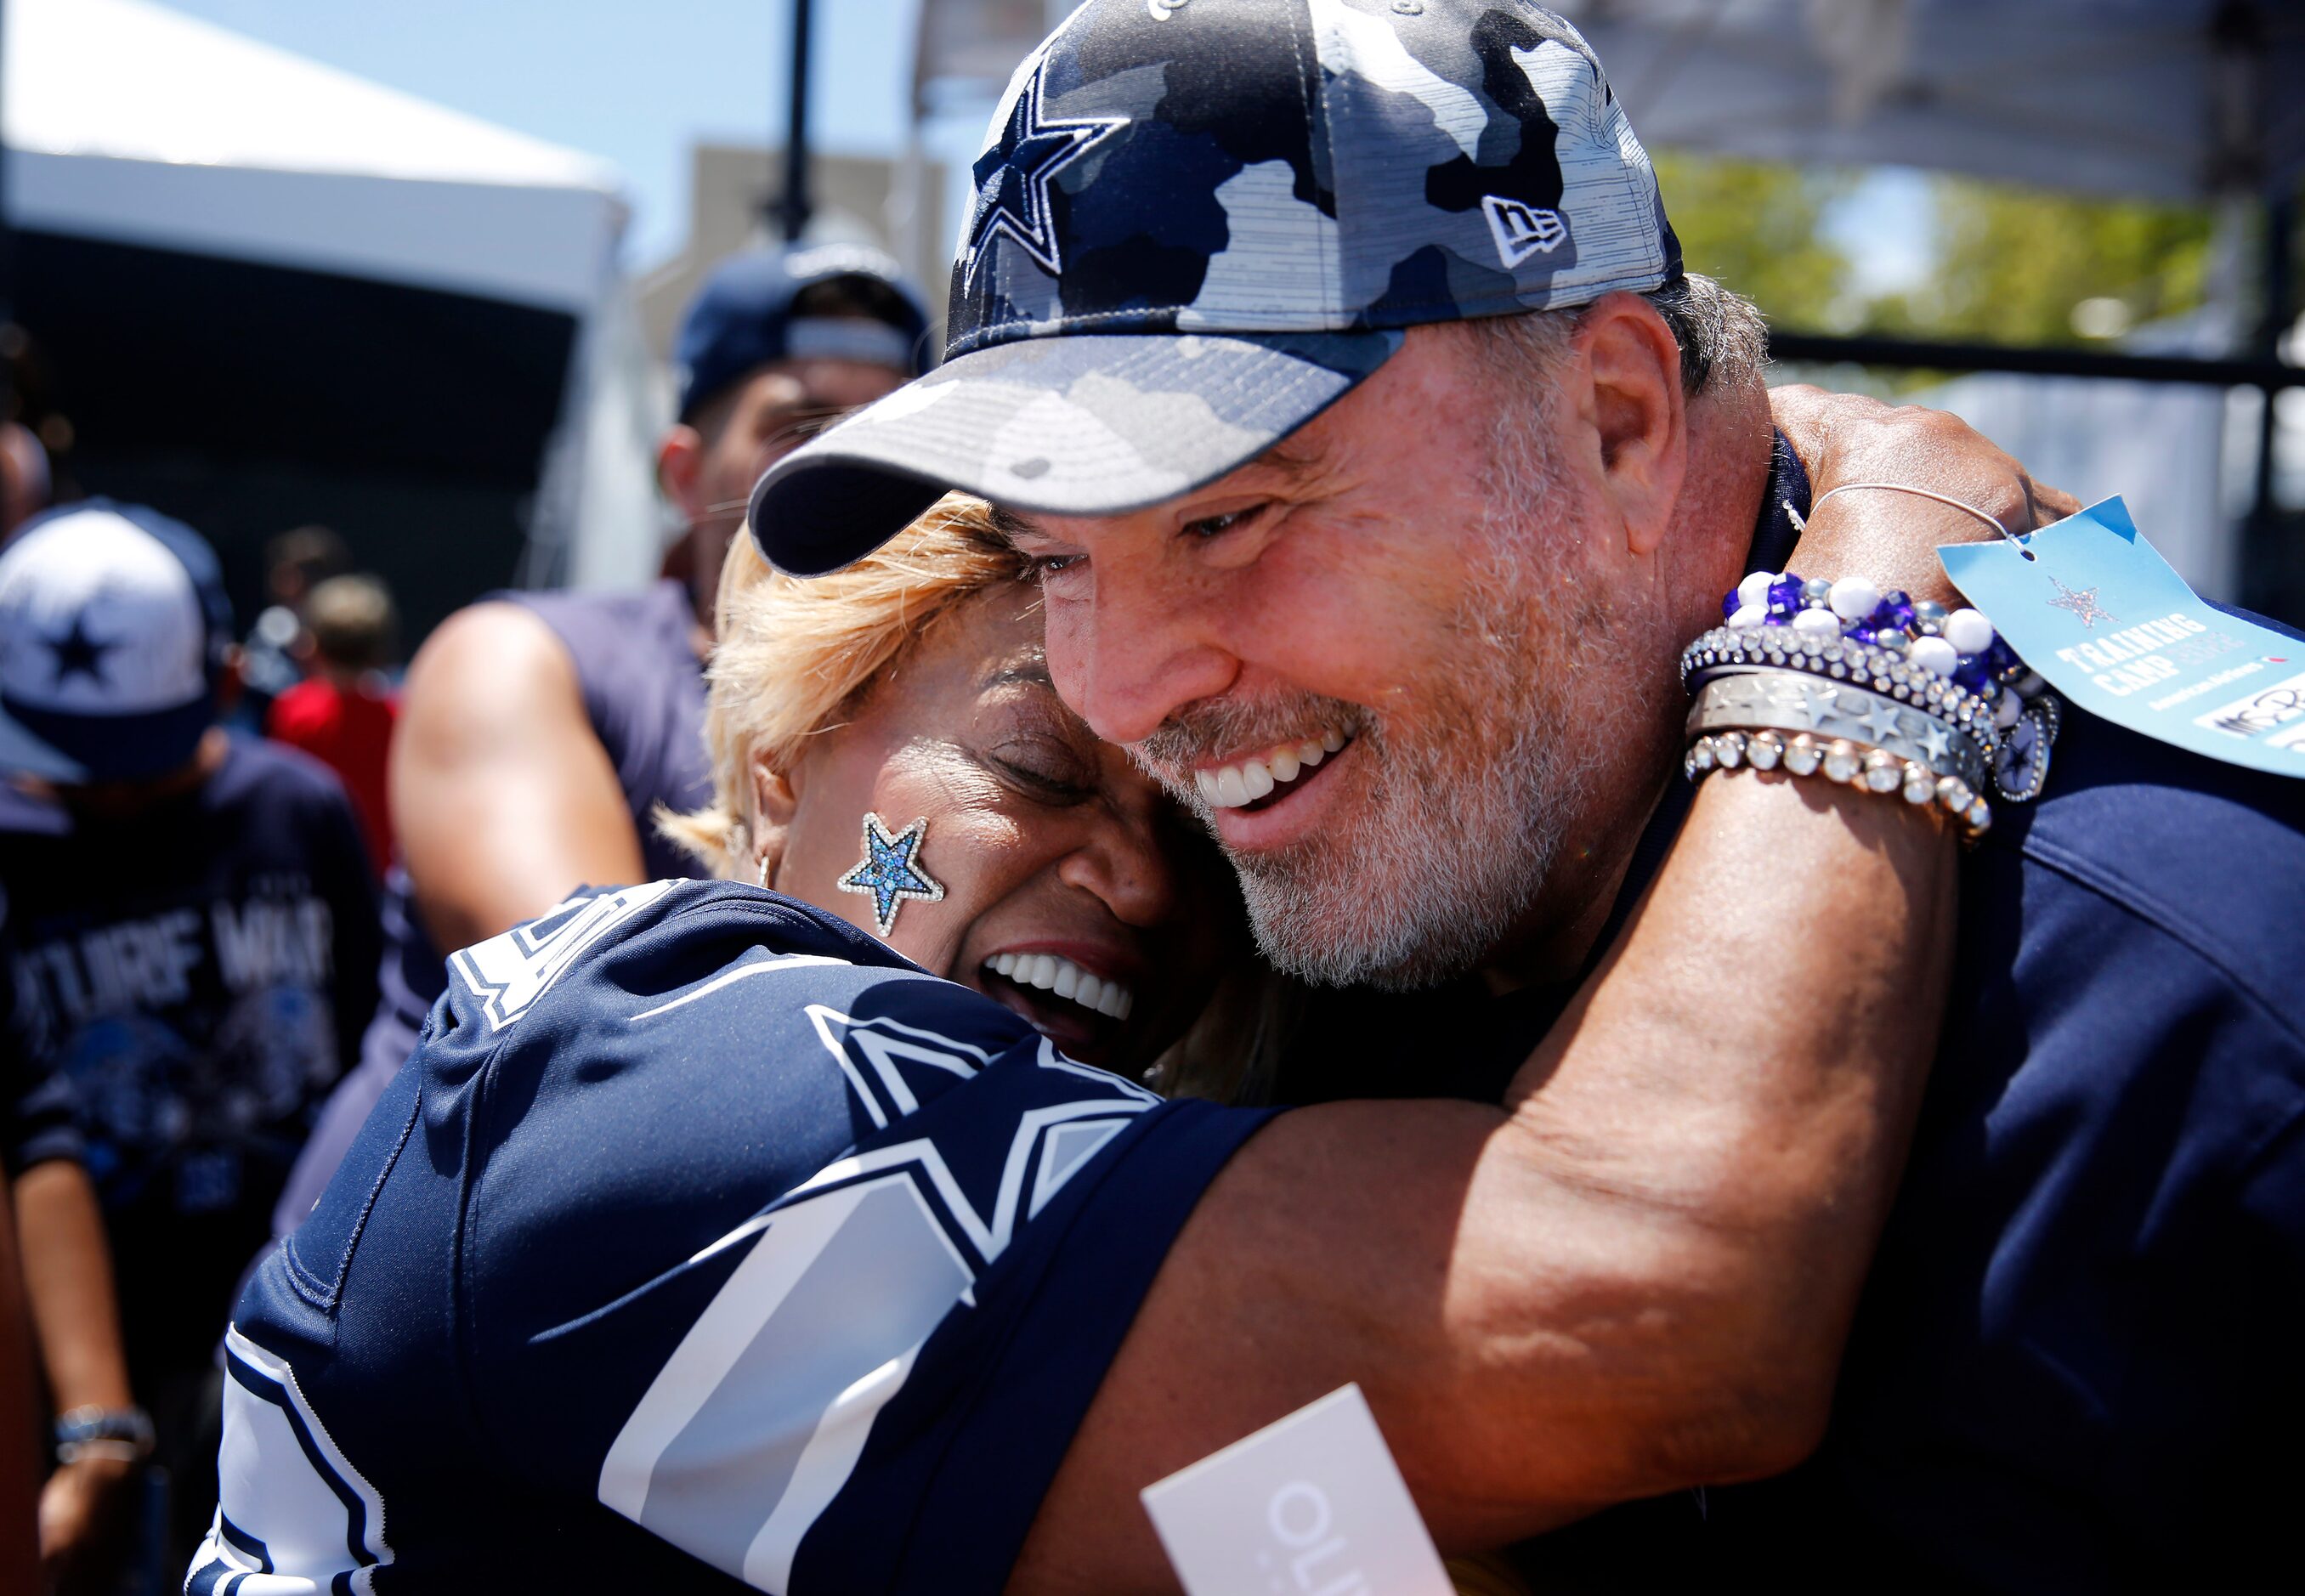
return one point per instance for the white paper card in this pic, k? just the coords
(1310, 1506)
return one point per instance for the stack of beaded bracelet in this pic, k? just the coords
(1951, 664)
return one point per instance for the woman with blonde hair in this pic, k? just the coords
(772, 1231)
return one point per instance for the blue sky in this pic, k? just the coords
(636, 83)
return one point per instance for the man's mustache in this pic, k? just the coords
(1214, 728)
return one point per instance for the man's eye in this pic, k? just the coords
(1216, 526)
(1040, 566)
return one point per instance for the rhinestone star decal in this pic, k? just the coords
(77, 654)
(1882, 718)
(1013, 178)
(890, 872)
(2082, 602)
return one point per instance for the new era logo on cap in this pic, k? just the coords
(1199, 224)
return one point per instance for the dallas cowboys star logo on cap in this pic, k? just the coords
(77, 654)
(891, 871)
(1013, 178)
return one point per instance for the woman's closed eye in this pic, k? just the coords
(1045, 768)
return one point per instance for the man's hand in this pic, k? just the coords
(83, 1517)
(1892, 538)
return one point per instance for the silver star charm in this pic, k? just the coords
(1936, 741)
(2082, 602)
(1882, 720)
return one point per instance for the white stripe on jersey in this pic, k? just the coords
(290, 1506)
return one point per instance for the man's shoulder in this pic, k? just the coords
(658, 618)
(270, 778)
(2169, 844)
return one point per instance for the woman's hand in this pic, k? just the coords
(1892, 538)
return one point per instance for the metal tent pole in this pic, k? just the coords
(793, 207)
(2267, 562)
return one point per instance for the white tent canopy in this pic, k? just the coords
(131, 123)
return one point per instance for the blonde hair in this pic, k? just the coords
(794, 658)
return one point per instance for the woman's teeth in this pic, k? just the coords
(1252, 779)
(1066, 979)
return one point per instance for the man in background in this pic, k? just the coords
(343, 712)
(195, 925)
(540, 731)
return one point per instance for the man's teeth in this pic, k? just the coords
(1066, 979)
(1252, 779)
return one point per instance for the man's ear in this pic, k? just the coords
(679, 462)
(1639, 413)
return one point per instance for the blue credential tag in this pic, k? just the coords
(2118, 633)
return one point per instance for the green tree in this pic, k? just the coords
(2013, 263)
(1756, 225)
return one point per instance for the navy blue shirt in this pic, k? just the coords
(644, 690)
(198, 975)
(702, 1239)
(2075, 1363)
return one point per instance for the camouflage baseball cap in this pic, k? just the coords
(1200, 222)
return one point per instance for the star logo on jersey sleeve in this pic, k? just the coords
(1013, 179)
(891, 871)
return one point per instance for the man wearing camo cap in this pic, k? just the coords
(1334, 362)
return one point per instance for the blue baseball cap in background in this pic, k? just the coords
(114, 633)
(743, 317)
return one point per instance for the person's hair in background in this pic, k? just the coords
(299, 560)
(352, 625)
(795, 657)
(343, 711)
(26, 483)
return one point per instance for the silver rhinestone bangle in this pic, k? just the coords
(1791, 702)
(1841, 660)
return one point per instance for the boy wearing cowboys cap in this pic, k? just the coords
(1335, 363)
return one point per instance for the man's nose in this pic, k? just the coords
(1131, 654)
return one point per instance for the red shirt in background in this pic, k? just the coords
(348, 729)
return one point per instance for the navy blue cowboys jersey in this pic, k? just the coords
(700, 1232)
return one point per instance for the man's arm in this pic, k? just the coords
(503, 798)
(68, 1278)
(19, 1562)
(1635, 1275)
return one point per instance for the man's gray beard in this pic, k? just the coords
(1469, 797)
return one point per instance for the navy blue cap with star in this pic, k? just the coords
(890, 872)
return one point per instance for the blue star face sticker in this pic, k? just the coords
(77, 654)
(1013, 178)
(890, 872)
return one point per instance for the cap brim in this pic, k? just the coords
(1081, 425)
(24, 753)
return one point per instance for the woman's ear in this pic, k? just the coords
(775, 798)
